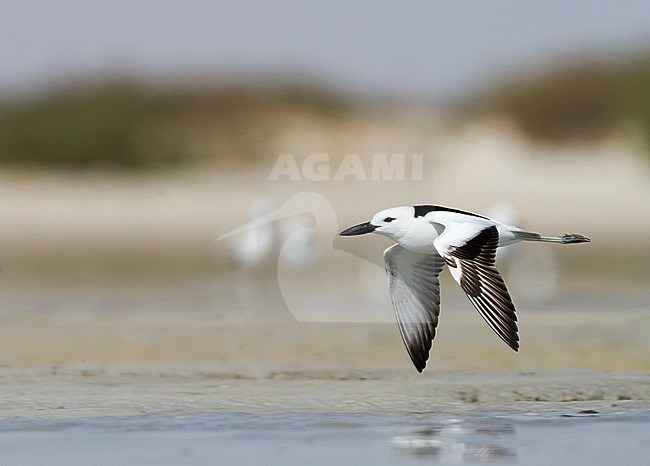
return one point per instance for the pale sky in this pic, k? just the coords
(418, 49)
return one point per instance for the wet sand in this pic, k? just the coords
(89, 391)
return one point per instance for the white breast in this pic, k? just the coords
(420, 235)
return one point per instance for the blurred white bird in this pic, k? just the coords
(302, 225)
(255, 246)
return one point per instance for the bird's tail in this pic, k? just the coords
(567, 238)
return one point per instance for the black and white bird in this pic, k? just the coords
(430, 236)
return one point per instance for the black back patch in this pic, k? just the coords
(422, 210)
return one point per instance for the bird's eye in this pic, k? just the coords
(388, 219)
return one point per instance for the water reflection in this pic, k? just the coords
(455, 441)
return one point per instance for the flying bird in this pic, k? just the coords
(428, 238)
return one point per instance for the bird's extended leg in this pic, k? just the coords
(567, 238)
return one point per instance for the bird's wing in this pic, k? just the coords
(415, 293)
(470, 252)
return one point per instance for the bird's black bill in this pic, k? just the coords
(360, 229)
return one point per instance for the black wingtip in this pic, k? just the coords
(421, 364)
(514, 344)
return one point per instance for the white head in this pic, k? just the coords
(415, 233)
(392, 222)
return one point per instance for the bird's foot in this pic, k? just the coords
(570, 238)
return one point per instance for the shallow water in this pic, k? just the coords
(577, 437)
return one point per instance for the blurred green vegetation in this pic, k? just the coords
(584, 100)
(120, 124)
(124, 124)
